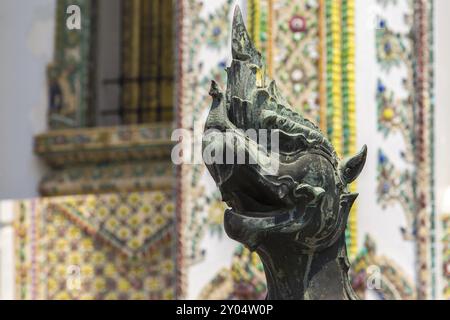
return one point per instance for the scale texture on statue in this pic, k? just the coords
(287, 202)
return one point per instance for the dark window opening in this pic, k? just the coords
(135, 65)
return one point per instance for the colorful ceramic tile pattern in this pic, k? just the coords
(380, 275)
(107, 178)
(413, 116)
(244, 280)
(446, 256)
(95, 145)
(114, 246)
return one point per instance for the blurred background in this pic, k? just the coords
(91, 205)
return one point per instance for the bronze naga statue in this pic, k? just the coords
(290, 205)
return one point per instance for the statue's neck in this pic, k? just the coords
(316, 276)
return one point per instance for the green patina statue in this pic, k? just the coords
(289, 205)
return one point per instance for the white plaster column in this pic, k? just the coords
(7, 272)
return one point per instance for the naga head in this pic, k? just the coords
(294, 188)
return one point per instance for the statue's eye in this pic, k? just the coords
(283, 191)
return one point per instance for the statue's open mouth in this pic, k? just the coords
(246, 197)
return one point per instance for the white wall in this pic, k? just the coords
(26, 37)
(384, 225)
(219, 250)
(442, 137)
(7, 265)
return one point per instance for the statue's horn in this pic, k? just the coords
(351, 167)
(242, 47)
